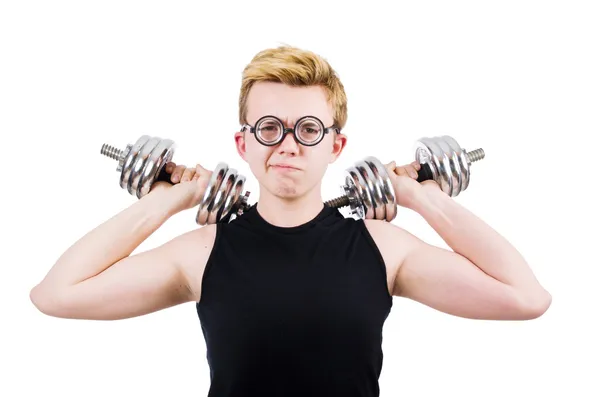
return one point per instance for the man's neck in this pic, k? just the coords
(289, 213)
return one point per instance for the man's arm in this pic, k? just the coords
(98, 278)
(135, 285)
(483, 277)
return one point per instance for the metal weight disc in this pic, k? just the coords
(370, 185)
(158, 158)
(453, 171)
(130, 159)
(211, 192)
(462, 163)
(424, 155)
(445, 171)
(350, 192)
(234, 195)
(374, 188)
(357, 184)
(429, 151)
(448, 162)
(139, 163)
(217, 205)
(384, 187)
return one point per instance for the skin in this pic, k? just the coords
(481, 276)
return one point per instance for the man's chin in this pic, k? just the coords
(284, 187)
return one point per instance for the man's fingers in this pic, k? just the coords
(199, 171)
(177, 173)
(407, 170)
(188, 174)
(170, 167)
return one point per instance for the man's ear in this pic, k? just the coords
(339, 144)
(240, 144)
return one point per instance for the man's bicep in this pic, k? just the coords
(450, 283)
(136, 285)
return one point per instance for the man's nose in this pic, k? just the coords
(289, 144)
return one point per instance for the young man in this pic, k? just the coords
(292, 296)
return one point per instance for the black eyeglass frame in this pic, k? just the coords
(325, 130)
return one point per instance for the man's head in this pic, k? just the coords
(290, 84)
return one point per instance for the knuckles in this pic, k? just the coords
(409, 170)
(181, 173)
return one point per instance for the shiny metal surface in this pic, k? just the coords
(223, 196)
(449, 163)
(139, 165)
(368, 191)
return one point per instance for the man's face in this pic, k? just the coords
(289, 169)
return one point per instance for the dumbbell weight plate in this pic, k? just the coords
(364, 168)
(384, 190)
(221, 195)
(356, 189)
(142, 162)
(428, 151)
(369, 182)
(234, 193)
(130, 157)
(224, 199)
(214, 184)
(160, 155)
(447, 162)
(379, 188)
(462, 164)
(454, 170)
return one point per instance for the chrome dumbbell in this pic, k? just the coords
(368, 190)
(142, 164)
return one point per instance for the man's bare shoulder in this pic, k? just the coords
(391, 237)
(192, 251)
(394, 244)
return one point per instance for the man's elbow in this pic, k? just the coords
(39, 298)
(533, 306)
(46, 301)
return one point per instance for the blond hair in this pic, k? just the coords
(296, 67)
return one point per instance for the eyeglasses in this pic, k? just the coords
(308, 131)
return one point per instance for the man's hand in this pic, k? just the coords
(189, 184)
(406, 187)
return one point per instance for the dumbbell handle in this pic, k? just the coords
(164, 176)
(424, 173)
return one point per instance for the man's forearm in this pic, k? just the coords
(469, 236)
(111, 241)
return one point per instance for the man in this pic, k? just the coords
(292, 296)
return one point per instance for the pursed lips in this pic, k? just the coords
(285, 166)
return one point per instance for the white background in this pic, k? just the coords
(520, 79)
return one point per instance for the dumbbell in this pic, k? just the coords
(143, 163)
(368, 190)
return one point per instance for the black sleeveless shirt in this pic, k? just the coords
(294, 311)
